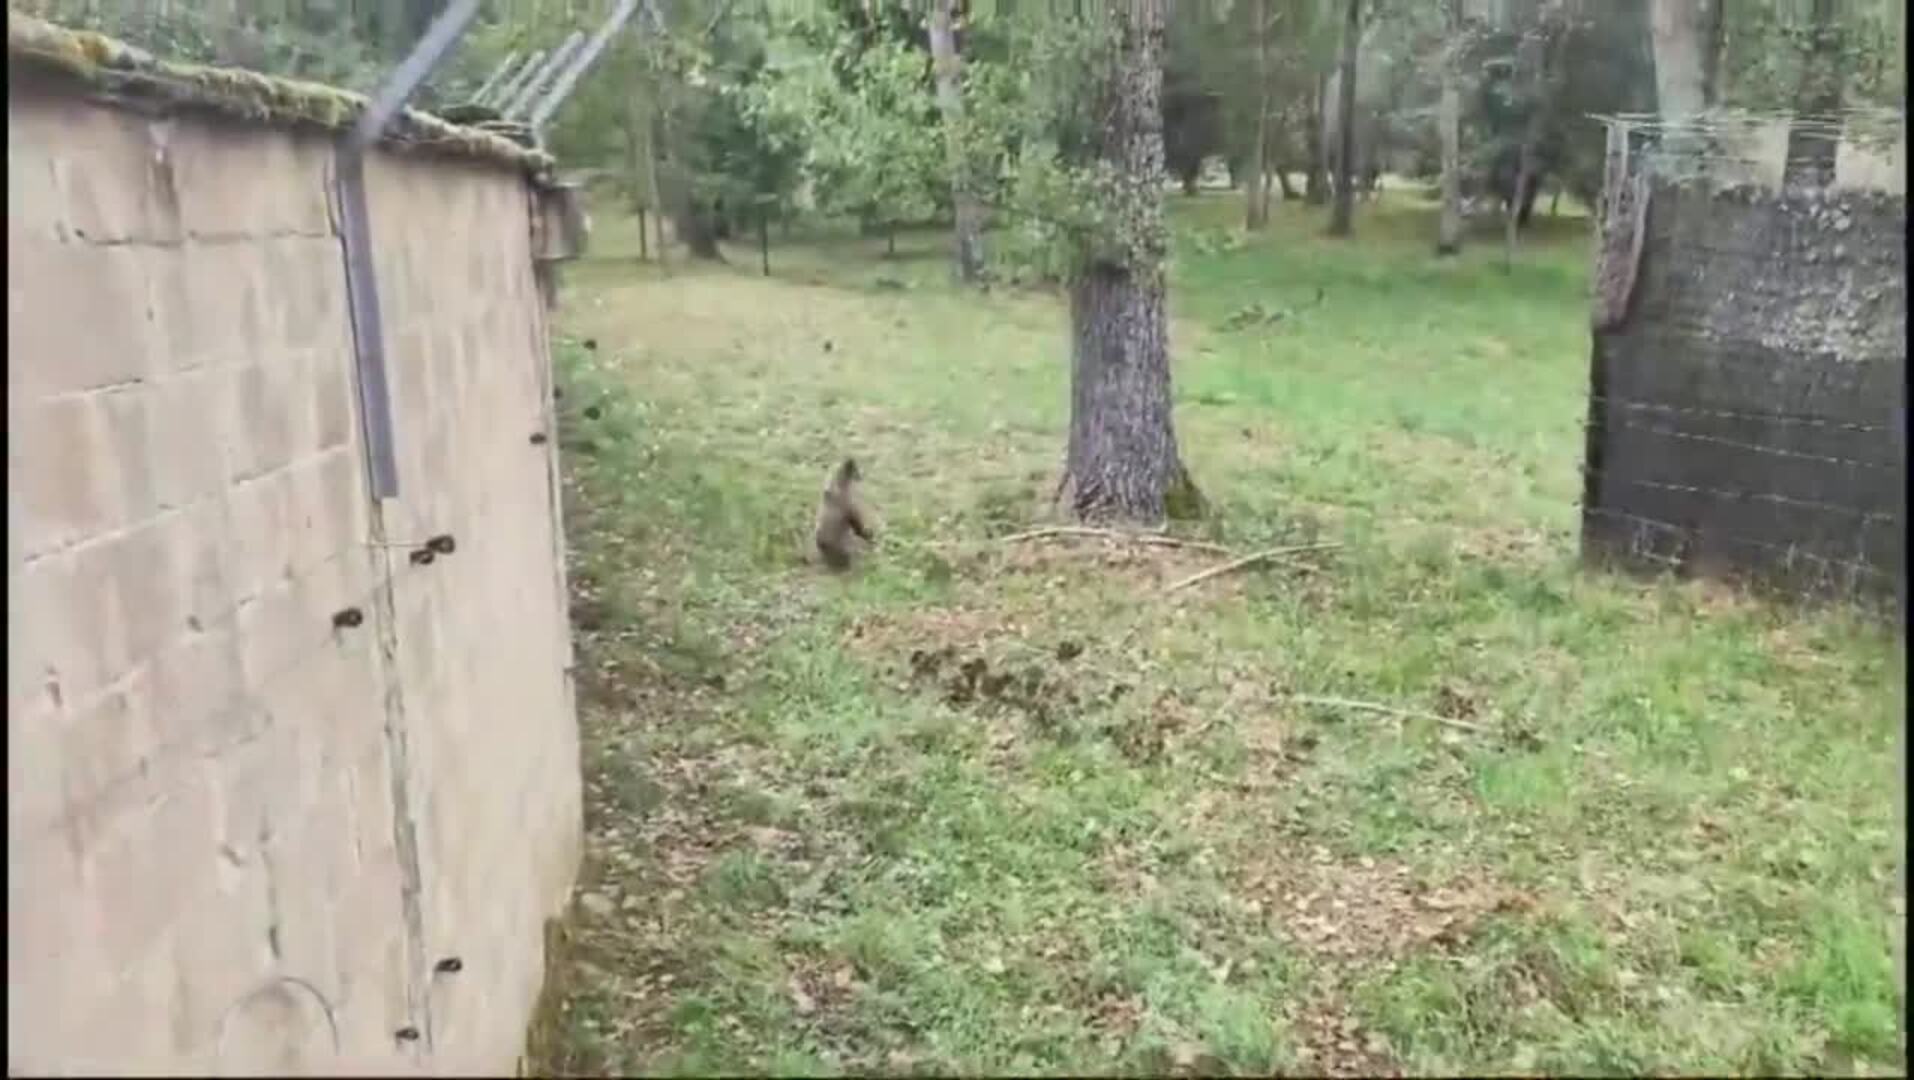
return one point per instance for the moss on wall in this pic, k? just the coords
(114, 70)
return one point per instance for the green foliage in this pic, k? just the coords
(313, 41)
(1766, 43)
(876, 151)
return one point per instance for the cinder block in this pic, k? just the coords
(36, 789)
(39, 634)
(307, 867)
(52, 942)
(153, 863)
(260, 405)
(63, 465)
(246, 800)
(335, 496)
(149, 593)
(183, 454)
(335, 419)
(204, 556)
(34, 207)
(200, 704)
(80, 318)
(261, 521)
(244, 181)
(308, 278)
(369, 779)
(93, 649)
(277, 630)
(106, 743)
(111, 188)
(211, 306)
(224, 950)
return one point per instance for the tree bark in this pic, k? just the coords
(1678, 34)
(1812, 139)
(654, 141)
(1532, 66)
(635, 123)
(1449, 125)
(1342, 215)
(1122, 461)
(1315, 182)
(1714, 44)
(968, 211)
(1256, 193)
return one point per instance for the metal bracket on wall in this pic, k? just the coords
(355, 236)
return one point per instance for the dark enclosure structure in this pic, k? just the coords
(1747, 391)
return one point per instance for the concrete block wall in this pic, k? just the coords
(240, 837)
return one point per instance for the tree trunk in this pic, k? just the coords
(1449, 124)
(1715, 43)
(1315, 182)
(764, 242)
(1812, 139)
(969, 213)
(1256, 194)
(1282, 181)
(653, 142)
(1342, 215)
(1122, 461)
(1532, 66)
(644, 245)
(1682, 37)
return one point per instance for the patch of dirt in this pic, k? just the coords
(1368, 910)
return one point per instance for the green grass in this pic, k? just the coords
(1674, 845)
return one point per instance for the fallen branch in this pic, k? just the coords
(1247, 560)
(1157, 539)
(1390, 710)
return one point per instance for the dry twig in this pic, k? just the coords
(1390, 710)
(1157, 539)
(1247, 560)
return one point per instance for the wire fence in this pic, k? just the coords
(1747, 403)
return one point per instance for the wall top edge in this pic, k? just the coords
(104, 68)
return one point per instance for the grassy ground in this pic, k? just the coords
(994, 807)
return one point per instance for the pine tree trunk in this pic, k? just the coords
(1256, 194)
(1342, 215)
(1449, 121)
(1533, 66)
(653, 144)
(969, 213)
(1315, 182)
(1122, 461)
